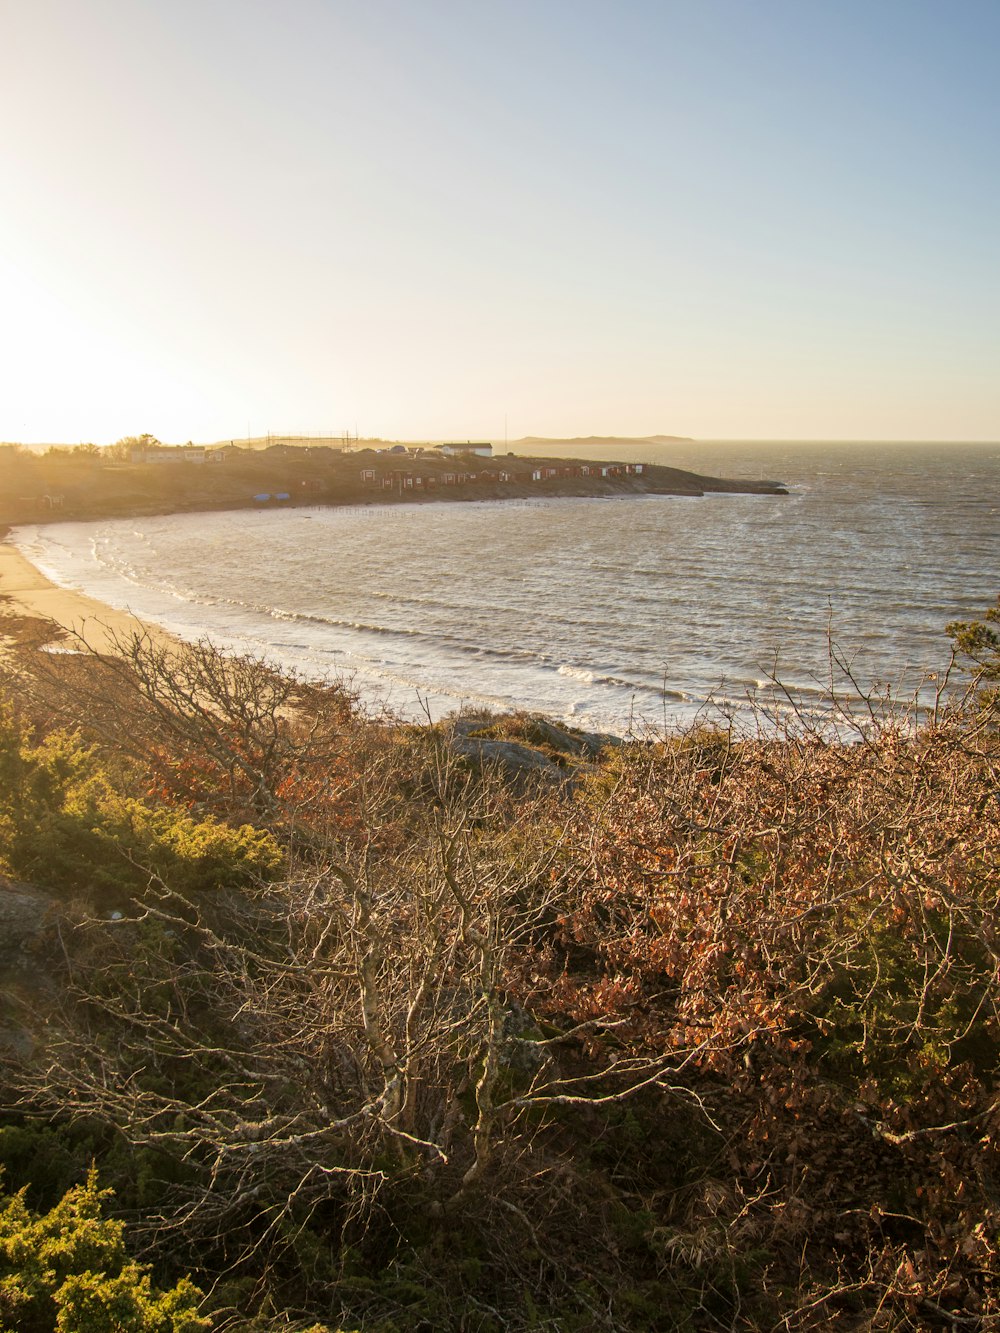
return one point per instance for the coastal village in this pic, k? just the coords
(419, 476)
(145, 476)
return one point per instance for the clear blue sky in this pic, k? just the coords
(719, 218)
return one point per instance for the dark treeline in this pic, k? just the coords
(314, 1020)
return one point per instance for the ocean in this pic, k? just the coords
(620, 615)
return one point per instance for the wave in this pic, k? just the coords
(592, 677)
(560, 605)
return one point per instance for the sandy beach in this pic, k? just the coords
(32, 594)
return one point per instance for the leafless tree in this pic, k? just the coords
(328, 1041)
(224, 730)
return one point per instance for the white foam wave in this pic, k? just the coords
(561, 605)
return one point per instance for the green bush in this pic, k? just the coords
(978, 643)
(65, 825)
(67, 1271)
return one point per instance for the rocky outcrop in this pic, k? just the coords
(23, 917)
(527, 748)
(25, 914)
(514, 759)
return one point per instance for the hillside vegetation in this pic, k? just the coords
(87, 482)
(359, 1029)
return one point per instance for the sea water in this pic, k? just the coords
(614, 614)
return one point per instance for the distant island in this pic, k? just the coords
(143, 476)
(600, 441)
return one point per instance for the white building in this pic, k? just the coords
(483, 450)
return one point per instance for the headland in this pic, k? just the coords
(88, 483)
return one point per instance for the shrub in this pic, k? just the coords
(65, 825)
(68, 1271)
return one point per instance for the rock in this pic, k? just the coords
(468, 724)
(534, 731)
(23, 917)
(567, 740)
(527, 746)
(514, 759)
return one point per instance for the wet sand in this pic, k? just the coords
(32, 594)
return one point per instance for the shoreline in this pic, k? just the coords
(29, 594)
(25, 591)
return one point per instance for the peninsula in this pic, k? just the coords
(146, 477)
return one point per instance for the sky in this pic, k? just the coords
(452, 219)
